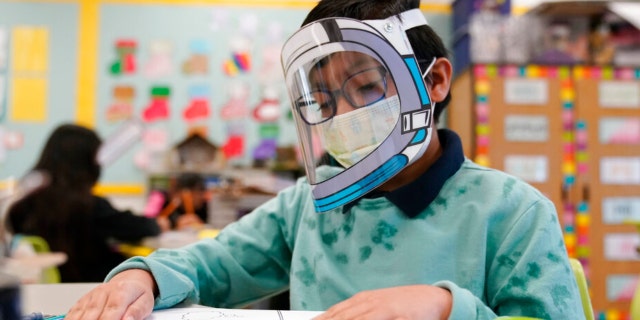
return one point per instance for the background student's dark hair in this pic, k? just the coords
(61, 213)
(426, 43)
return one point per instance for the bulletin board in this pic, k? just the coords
(518, 124)
(38, 54)
(608, 135)
(575, 134)
(179, 66)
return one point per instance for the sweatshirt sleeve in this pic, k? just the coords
(530, 274)
(249, 260)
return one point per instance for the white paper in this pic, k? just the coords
(621, 246)
(528, 168)
(525, 128)
(200, 313)
(620, 170)
(616, 210)
(526, 91)
(619, 94)
(619, 130)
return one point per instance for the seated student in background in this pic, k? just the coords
(186, 204)
(404, 228)
(68, 216)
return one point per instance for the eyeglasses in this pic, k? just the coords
(361, 89)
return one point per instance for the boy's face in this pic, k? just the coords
(345, 81)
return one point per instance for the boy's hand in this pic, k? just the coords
(406, 302)
(129, 295)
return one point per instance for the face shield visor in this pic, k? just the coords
(361, 107)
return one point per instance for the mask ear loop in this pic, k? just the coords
(424, 74)
(433, 62)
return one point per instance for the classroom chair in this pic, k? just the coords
(581, 279)
(39, 245)
(635, 304)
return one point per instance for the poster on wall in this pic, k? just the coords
(526, 128)
(621, 287)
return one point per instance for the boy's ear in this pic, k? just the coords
(441, 74)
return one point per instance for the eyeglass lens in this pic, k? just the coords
(361, 89)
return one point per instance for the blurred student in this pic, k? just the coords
(186, 204)
(69, 216)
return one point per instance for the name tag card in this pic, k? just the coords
(528, 168)
(526, 91)
(615, 210)
(620, 170)
(521, 128)
(619, 94)
(621, 246)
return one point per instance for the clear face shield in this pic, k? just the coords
(362, 115)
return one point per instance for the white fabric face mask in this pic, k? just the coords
(350, 137)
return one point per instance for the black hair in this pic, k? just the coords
(60, 211)
(426, 43)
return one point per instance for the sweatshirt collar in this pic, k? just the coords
(428, 185)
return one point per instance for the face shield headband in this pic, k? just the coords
(370, 67)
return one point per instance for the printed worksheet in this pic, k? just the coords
(200, 313)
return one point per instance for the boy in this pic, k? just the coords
(399, 225)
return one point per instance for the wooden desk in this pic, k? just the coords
(52, 298)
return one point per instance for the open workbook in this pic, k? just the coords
(205, 313)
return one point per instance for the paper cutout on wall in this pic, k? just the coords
(248, 24)
(13, 140)
(621, 246)
(158, 108)
(30, 49)
(240, 60)
(620, 170)
(122, 105)
(265, 150)
(622, 130)
(619, 94)
(155, 139)
(125, 57)
(268, 110)
(160, 62)
(615, 210)
(270, 71)
(198, 107)
(621, 287)
(236, 107)
(219, 19)
(198, 62)
(234, 147)
(29, 99)
(4, 48)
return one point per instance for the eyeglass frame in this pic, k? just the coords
(335, 94)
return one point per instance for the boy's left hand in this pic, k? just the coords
(405, 302)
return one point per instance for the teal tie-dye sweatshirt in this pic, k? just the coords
(491, 239)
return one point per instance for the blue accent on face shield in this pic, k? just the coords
(417, 78)
(419, 137)
(360, 188)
